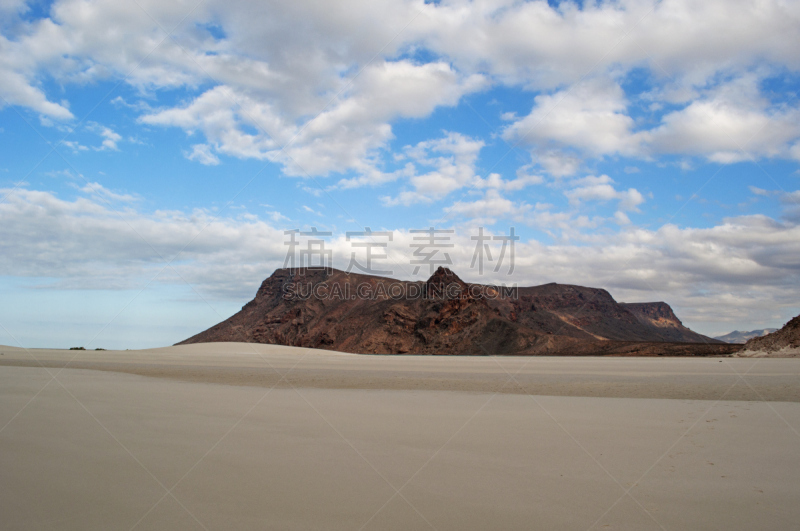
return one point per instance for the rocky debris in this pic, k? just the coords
(331, 309)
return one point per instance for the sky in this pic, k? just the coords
(153, 154)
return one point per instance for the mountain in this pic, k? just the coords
(349, 312)
(784, 341)
(740, 338)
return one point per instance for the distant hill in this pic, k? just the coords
(741, 337)
(784, 341)
(334, 310)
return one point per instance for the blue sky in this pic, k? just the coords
(153, 153)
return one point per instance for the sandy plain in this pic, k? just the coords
(235, 436)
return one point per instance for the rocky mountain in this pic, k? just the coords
(348, 312)
(784, 341)
(741, 338)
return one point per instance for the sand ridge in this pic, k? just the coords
(256, 365)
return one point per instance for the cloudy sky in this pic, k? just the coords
(152, 153)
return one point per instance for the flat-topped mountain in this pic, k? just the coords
(350, 312)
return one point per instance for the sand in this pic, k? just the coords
(785, 352)
(709, 378)
(211, 437)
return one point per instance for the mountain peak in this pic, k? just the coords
(444, 284)
(444, 274)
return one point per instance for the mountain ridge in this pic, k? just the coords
(349, 312)
(741, 337)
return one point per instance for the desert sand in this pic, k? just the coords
(238, 436)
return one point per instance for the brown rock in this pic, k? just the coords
(787, 337)
(334, 310)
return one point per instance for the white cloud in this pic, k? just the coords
(74, 145)
(17, 84)
(496, 182)
(87, 244)
(110, 138)
(452, 159)
(755, 190)
(299, 50)
(66, 173)
(140, 105)
(310, 210)
(795, 151)
(202, 153)
(489, 209)
(601, 188)
(13, 5)
(343, 137)
(621, 218)
(590, 117)
(102, 193)
(547, 46)
(276, 217)
(724, 123)
(326, 80)
(214, 114)
(557, 163)
(730, 124)
(740, 269)
(587, 119)
(357, 124)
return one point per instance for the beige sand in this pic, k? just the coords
(286, 367)
(328, 450)
(785, 352)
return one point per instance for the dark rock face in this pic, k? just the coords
(334, 310)
(786, 337)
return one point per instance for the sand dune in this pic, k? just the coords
(214, 443)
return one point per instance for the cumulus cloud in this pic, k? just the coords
(588, 118)
(546, 46)
(88, 243)
(341, 138)
(725, 123)
(203, 154)
(74, 145)
(452, 161)
(214, 113)
(345, 136)
(109, 136)
(496, 182)
(487, 210)
(733, 122)
(17, 86)
(322, 83)
(601, 188)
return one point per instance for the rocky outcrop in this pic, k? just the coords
(347, 312)
(660, 317)
(784, 341)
